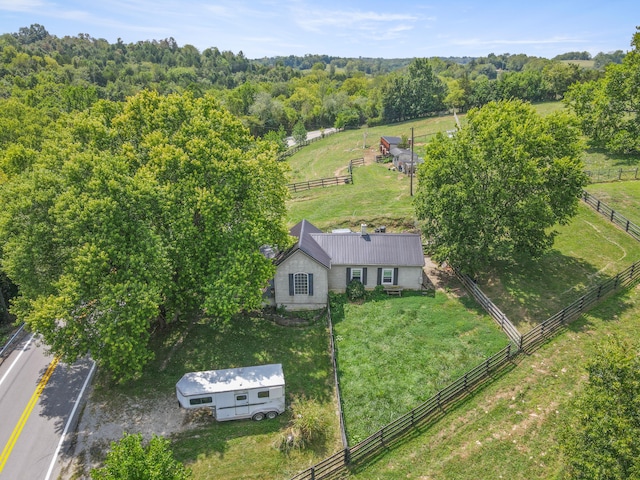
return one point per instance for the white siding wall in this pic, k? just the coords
(299, 262)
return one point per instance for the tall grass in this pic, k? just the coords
(395, 353)
(509, 429)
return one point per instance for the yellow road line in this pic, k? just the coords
(26, 413)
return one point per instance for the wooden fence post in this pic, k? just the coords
(347, 456)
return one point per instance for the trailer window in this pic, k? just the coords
(264, 394)
(200, 401)
(241, 397)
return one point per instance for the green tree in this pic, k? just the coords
(415, 93)
(601, 439)
(299, 133)
(494, 190)
(608, 108)
(137, 215)
(130, 459)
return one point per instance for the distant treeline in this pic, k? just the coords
(273, 95)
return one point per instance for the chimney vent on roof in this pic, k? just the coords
(363, 229)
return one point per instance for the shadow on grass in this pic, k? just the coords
(530, 291)
(616, 159)
(214, 439)
(244, 341)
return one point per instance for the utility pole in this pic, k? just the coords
(412, 165)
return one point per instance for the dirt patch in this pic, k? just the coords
(369, 155)
(442, 278)
(102, 423)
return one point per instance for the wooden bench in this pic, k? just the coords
(393, 291)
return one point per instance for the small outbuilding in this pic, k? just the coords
(387, 143)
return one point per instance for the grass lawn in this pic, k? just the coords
(624, 197)
(600, 161)
(378, 196)
(587, 251)
(329, 157)
(244, 448)
(509, 429)
(395, 353)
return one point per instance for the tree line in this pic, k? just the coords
(273, 94)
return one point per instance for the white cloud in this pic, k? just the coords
(543, 41)
(21, 5)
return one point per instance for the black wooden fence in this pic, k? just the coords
(334, 361)
(594, 295)
(321, 182)
(354, 162)
(339, 463)
(613, 216)
(612, 175)
(295, 148)
(327, 182)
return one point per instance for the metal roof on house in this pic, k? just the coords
(230, 379)
(304, 230)
(397, 249)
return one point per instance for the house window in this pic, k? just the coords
(356, 274)
(300, 284)
(387, 276)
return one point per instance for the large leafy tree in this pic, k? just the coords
(601, 439)
(494, 190)
(130, 459)
(414, 93)
(609, 108)
(135, 215)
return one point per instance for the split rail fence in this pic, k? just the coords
(329, 181)
(321, 182)
(612, 175)
(342, 461)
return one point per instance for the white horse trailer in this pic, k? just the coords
(235, 393)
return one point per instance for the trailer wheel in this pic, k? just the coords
(258, 416)
(271, 415)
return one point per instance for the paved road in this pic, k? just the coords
(311, 135)
(37, 397)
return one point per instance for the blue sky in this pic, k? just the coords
(390, 29)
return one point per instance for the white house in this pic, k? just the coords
(321, 262)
